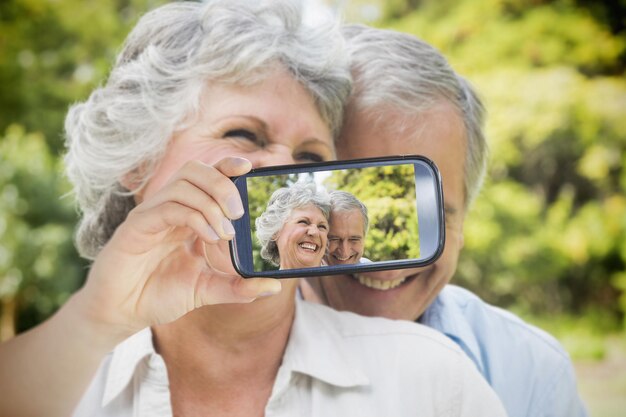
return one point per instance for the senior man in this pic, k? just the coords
(348, 225)
(408, 100)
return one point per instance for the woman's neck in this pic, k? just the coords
(218, 351)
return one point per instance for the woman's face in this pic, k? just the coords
(302, 240)
(274, 122)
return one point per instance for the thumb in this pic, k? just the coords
(221, 288)
(254, 288)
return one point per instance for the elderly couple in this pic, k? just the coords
(204, 91)
(304, 227)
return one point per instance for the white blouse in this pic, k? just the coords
(335, 364)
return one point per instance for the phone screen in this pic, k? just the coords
(384, 213)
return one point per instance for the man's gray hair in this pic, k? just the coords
(282, 202)
(122, 131)
(345, 201)
(393, 69)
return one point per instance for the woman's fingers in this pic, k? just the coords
(158, 254)
(256, 287)
(204, 189)
(222, 189)
(214, 181)
(222, 284)
(143, 230)
(186, 194)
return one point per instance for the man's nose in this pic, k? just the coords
(345, 247)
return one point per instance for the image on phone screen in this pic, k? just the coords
(384, 213)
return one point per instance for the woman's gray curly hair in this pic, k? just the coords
(121, 132)
(282, 202)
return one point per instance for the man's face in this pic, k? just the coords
(438, 134)
(345, 237)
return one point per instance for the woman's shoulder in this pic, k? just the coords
(395, 359)
(354, 328)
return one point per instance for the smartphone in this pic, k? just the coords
(385, 213)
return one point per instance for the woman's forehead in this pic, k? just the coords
(279, 101)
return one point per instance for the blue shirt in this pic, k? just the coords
(529, 370)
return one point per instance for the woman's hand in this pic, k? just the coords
(154, 269)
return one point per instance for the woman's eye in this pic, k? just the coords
(309, 156)
(322, 226)
(302, 222)
(241, 133)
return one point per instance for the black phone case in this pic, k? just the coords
(242, 243)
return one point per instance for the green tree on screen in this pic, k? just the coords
(389, 195)
(260, 190)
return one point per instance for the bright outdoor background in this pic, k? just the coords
(546, 238)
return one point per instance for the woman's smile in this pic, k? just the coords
(309, 246)
(302, 240)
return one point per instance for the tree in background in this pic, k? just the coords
(548, 233)
(389, 195)
(54, 53)
(38, 265)
(51, 54)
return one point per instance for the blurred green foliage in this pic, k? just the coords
(389, 195)
(38, 265)
(55, 52)
(260, 189)
(52, 53)
(548, 232)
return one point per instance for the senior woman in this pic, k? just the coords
(201, 92)
(293, 229)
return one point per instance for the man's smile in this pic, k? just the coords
(382, 285)
(342, 258)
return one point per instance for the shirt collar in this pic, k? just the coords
(125, 359)
(317, 348)
(446, 315)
